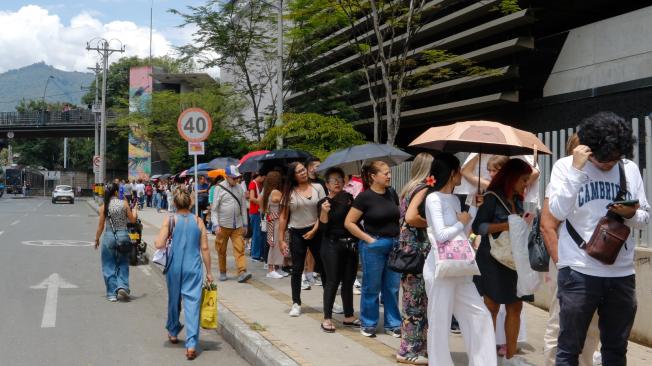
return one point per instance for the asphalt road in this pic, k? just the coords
(79, 326)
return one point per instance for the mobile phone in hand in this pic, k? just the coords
(624, 203)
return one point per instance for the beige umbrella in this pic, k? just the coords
(482, 137)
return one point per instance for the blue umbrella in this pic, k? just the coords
(203, 167)
(351, 159)
(222, 163)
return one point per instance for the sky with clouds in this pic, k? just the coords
(56, 31)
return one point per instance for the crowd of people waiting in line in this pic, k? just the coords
(314, 229)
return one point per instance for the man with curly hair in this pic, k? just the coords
(582, 186)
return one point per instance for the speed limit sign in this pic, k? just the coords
(194, 125)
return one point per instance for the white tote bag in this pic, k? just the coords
(528, 279)
(453, 258)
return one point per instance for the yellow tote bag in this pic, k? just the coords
(208, 311)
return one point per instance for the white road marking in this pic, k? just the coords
(145, 270)
(15, 222)
(58, 243)
(52, 284)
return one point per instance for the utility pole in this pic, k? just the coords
(65, 153)
(96, 70)
(279, 74)
(104, 49)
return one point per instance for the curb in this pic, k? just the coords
(249, 344)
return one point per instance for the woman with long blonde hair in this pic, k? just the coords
(413, 237)
(185, 274)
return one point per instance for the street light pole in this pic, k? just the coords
(43, 100)
(279, 74)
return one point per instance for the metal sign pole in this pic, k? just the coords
(196, 189)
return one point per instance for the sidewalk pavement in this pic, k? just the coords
(254, 319)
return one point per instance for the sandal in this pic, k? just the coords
(174, 339)
(356, 323)
(191, 354)
(329, 329)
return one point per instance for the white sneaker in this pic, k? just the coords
(273, 275)
(317, 281)
(282, 272)
(356, 291)
(295, 310)
(337, 308)
(515, 361)
(357, 284)
(597, 358)
(305, 285)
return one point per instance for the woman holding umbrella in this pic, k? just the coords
(377, 206)
(454, 295)
(498, 282)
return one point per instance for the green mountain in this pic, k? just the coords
(29, 82)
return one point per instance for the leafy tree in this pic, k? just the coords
(314, 133)
(161, 128)
(235, 35)
(4, 157)
(381, 38)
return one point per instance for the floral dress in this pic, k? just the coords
(414, 328)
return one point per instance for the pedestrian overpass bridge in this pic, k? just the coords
(73, 123)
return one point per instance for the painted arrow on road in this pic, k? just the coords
(52, 284)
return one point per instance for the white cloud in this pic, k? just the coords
(32, 34)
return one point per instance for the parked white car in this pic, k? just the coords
(63, 193)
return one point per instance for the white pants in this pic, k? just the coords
(457, 296)
(552, 330)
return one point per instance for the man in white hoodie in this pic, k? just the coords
(581, 187)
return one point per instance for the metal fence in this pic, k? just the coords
(556, 141)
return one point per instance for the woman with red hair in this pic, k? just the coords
(497, 284)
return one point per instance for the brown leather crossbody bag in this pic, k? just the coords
(610, 234)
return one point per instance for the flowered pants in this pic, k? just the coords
(414, 329)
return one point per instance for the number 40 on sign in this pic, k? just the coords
(194, 125)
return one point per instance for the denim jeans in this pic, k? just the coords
(115, 266)
(256, 237)
(377, 279)
(157, 201)
(580, 296)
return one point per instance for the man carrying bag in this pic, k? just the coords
(599, 196)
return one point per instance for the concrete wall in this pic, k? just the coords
(604, 53)
(642, 332)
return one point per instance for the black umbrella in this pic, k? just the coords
(222, 163)
(251, 165)
(287, 155)
(281, 158)
(351, 159)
